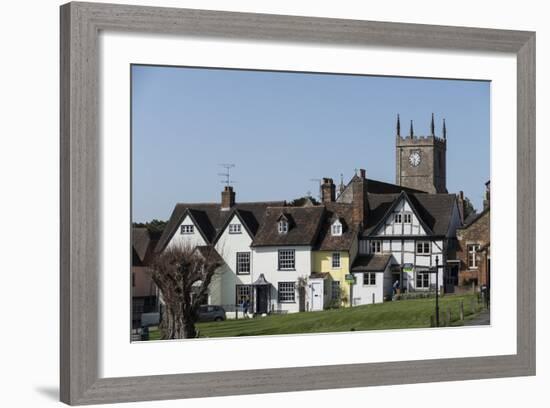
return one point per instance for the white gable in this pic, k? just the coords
(401, 221)
(186, 238)
(231, 241)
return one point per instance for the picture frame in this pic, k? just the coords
(80, 154)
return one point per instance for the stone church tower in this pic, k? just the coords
(421, 160)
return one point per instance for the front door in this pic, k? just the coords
(261, 298)
(317, 296)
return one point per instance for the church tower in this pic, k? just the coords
(421, 161)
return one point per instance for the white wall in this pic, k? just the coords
(191, 240)
(363, 294)
(31, 120)
(266, 262)
(227, 246)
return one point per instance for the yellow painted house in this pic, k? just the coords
(335, 251)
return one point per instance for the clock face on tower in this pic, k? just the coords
(414, 158)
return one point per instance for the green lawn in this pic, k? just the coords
(388, 315)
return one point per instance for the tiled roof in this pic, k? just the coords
(374, 187)
(434, 210)
(473, 217)
(143, 244)
(210, 218)
(209, 253)
(370, 263)
(303, 229)
(328, 242)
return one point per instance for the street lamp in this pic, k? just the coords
(436, 290)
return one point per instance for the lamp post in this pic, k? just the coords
(437, 291)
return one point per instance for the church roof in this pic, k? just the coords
(374, 187)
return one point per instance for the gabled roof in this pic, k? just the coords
(370, 263)
(247, 219)
(306, 222)
(374, 187)
(433, 210)
(328, 242)
(209, 253)
(402, 196)
(210, 219)
(143, 244)
(472, 218)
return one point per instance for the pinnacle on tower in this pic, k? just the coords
(432, 126)
(411, 131)
(444, 129)
(398, 126)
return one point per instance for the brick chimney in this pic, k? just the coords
(328, 191)
(460, 198)
(228, 198)
(487, 199)
(360, 203)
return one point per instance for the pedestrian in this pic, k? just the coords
(395, 287)
(245, 308)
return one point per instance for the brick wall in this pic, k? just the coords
(476, 233)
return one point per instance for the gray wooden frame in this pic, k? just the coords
(80, 25)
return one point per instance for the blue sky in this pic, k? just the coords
(283, 129)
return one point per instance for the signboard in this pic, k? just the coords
(350, 278)
(408, 267)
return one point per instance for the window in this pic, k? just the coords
(472, 255)
(287, 259)
(234, 228)
(283, 227)
(369, 278)
(336, 260)
(335, 295)
(187, 229)
(242, 293)
(423, 247)
(286, 292)
(243, 263)
(407, 218)
(336, 228)
(376, 247)
(422, 280)
(397, 218)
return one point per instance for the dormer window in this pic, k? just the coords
(283, 226)
(336, 228)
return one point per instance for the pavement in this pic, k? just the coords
(483, 318)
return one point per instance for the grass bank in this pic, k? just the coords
(403, 314)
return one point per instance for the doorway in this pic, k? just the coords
(262, 293)
(316, 296)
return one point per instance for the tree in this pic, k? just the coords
(154, 226)
(468, 207)
(301, 201)
(182, 275)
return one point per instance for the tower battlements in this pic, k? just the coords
(421, 159)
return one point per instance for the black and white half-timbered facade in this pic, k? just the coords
(417, 230)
